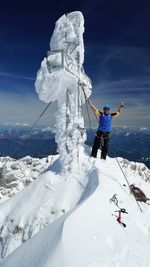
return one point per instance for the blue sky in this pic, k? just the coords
(117, 55)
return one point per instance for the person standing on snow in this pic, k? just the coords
(103, 131)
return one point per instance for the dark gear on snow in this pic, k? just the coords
(119, 218)
(138, 194)
(120, 211)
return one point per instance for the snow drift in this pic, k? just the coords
(41, 202)
(89, 234)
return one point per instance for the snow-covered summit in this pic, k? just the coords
(66, 217)
(40, 203)
(88, 234)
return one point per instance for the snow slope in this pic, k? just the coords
(40, 203)
(89, 234)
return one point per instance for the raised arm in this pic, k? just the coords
(92, 106)
(120, 109)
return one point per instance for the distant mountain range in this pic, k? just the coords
(130, 143)
(18, 141)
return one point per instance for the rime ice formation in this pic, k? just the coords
(62, 78)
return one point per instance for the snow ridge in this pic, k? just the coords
(88, 235)
(40, 203)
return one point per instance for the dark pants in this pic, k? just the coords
(103, 139)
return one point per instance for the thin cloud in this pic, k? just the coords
(14, 108)
(136, 83)
(123, 61)
(15, 76)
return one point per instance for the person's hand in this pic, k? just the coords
(122, 104)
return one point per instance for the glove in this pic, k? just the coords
(121, 104)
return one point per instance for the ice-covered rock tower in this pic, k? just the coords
(62, 78)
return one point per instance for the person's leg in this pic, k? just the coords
(96, 144)
(105, 146)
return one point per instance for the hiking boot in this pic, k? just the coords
(93, 156)
(103, 158)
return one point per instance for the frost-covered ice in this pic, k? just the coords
(60, 78)
(66, 53)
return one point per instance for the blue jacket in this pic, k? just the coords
(105, 122)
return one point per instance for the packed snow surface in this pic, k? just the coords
(88, 234)
(40, 203)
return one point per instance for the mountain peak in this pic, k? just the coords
(86, 232)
